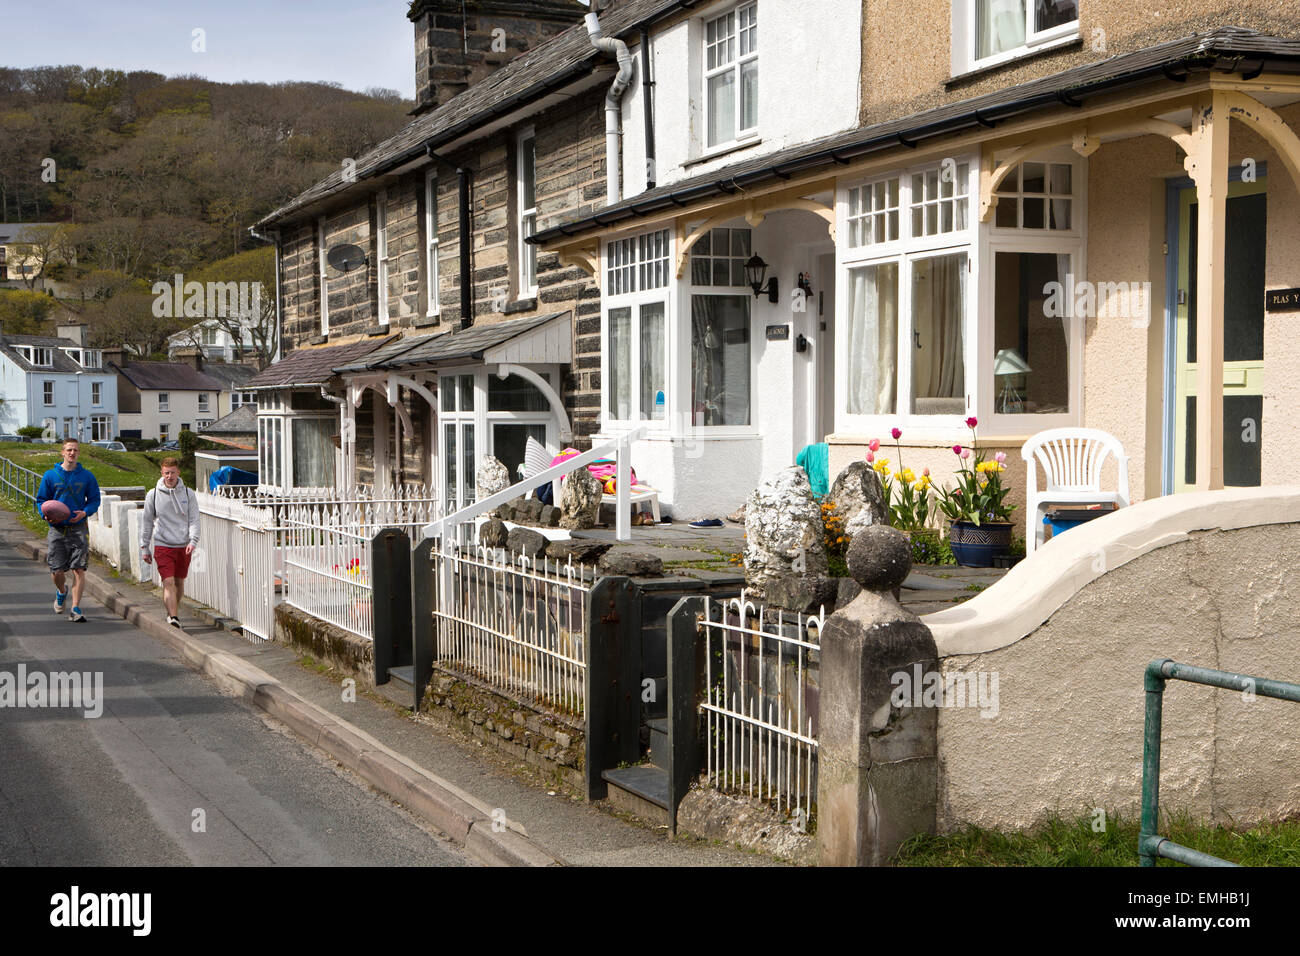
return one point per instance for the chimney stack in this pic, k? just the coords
(74, 332)
(460, 42)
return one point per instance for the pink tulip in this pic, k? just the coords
(897, 433)
(965, 453)
(871, 456)
(972, 422)
(1000, 458)
(926, 472)
(874, 445)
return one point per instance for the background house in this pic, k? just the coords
(160, 400)
(55, 383)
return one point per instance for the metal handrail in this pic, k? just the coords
(621, 447)
(11, 472)
(1151, 844)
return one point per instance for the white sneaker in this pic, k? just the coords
(174, 621)
(76, 615)
(59, 600)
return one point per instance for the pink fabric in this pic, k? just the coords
(605, 470)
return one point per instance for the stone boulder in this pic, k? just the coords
(859, 498)
(580, 550)
(785, 554)
(623, 561)
(492, 476)
(580, 500)
(525, 541)
(493, 533)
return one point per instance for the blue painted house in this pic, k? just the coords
(55, 382)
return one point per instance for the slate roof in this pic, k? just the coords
(1227, 49)
(468, 343)
(312, 366)
(62, 363)
(243, 420)
(552, 64)
(168, 376)
(233, 375)
(13, 231)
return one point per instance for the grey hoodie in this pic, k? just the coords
(171, 517)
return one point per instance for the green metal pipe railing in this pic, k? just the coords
(1159, 672)
(17, 481)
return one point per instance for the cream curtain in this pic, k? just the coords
(1001, 26)
(620, 364)
(873, 339)
(938, 307)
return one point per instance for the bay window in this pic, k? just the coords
(908, 256)
(720, 354)
(731, 75)
(635, 376)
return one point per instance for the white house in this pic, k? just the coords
(57, 384)
(160, 399)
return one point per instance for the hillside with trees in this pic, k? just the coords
(155, 176)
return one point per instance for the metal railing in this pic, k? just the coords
(519, 627)
(761, 706)
(325, 548)
(18, 482)
(1151, 845)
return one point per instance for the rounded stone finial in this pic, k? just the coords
(880, 557)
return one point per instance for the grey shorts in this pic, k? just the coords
(69, 548)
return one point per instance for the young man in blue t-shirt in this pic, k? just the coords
(69, 541)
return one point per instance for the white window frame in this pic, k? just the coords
(1072, 242)
(239, 399)
(739, 134)
(96, 394)
(381, 255)
(433, 306)
(164, 401)
(639, 281)
(47, 393)
(965, 37)
(205, 401)
(324, 277)
(906, 251)
(482, 420)
(527, 252)
(101, 427)
(163, 429)
(39, 357)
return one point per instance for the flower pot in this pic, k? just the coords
(976, 545)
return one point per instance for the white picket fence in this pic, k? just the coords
(237, 568)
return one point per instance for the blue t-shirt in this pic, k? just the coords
(77, 489)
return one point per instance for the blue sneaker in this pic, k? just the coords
(59, 598)
(77, 615)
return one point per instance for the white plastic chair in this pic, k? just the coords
(1072, 459)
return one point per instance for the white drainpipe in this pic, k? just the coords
(613, 110)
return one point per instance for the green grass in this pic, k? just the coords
(112, 469)
(1061, 842)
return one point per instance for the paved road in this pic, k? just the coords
(123, 789)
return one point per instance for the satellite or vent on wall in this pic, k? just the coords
(346, 257)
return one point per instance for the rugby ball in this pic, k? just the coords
(55, 512)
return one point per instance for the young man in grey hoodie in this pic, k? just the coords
(171, 521)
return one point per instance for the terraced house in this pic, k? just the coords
(420, 329)
(1043, 213)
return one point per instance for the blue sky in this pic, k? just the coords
(358, 43)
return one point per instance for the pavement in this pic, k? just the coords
(483, 803)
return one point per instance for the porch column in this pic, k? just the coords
(382, 474)
(1208, 165)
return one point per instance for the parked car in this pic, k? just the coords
(12, 438)
(109, 445)
(170, 446)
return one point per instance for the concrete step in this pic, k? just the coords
(641, 791)
(658, 741)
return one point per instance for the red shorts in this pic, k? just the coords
(172, 562)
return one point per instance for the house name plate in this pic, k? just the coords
(1282, 300)
(781, 332)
